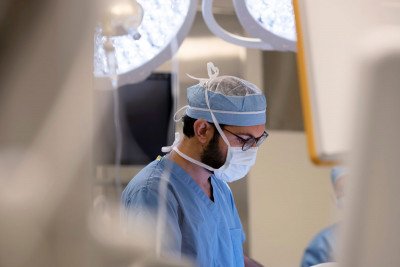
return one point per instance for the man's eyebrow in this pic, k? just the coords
(247, 134)
(250, 135)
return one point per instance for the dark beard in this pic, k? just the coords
(211, 155)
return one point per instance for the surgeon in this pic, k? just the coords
(322, 247)
(223, 127)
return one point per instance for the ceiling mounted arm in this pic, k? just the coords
(216, 29)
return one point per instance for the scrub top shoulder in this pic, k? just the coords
(208, 232)
(322, 247)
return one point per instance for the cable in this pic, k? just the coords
(118, 143)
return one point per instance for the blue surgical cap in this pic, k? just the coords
(232, 100)
(337, 172)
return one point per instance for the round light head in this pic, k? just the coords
(276, 16)
(165, 24)
(270, 20)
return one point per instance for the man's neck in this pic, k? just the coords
(198, 174)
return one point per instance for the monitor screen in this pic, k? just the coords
(145, 121)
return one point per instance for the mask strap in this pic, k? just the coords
(177, 113)
(167, 149)
(215, 120)
(201, 164)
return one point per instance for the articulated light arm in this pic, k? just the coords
(216, 29)
(277, 37)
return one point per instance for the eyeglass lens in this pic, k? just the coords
(252, 140)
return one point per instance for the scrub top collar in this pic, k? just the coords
(182, 175)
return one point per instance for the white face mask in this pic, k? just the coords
(237, 164)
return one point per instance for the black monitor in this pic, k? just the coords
(145, 118)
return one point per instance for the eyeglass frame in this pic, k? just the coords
(255, 140)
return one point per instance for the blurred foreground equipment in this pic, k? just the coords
(46, 144)
(371, 234)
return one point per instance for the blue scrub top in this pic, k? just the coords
(322, 248)
(210, 233)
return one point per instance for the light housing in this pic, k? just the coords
(164, 26)
(270, 23)
(270, 20)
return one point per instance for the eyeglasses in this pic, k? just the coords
(251, 141)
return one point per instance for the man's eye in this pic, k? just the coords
(244, 140)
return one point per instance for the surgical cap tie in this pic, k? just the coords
(212, 71)
(177, 113)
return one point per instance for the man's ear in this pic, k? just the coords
(203, 130)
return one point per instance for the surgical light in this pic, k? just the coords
(270, 22)
(122, 17)
(165, 24)
(275, 16)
